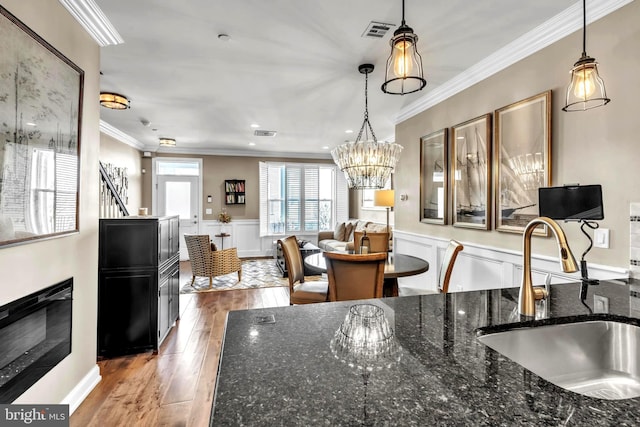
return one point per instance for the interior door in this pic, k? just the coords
(178, 195)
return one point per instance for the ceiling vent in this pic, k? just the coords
(377, 30)
(260, 132)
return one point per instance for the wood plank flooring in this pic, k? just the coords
(174, 387)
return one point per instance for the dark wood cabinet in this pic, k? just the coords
(138, 283)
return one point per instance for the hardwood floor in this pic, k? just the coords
(174, 387)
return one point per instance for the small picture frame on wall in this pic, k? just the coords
(434, 178)
(522, 158)
(471, 173)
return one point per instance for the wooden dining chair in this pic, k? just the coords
(379, 241)
(300, 292)
(448, 260)
(355, 276)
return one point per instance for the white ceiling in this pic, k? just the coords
(290, 66)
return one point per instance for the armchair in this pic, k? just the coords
(206, 262)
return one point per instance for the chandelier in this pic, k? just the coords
(586, 89)
(366, 163)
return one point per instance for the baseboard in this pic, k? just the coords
(82, 389)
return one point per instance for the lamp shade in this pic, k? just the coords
(384, 198)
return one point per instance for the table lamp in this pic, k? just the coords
(384, 198)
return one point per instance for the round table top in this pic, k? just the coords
(397, 265)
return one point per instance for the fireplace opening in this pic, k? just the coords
(35, 332)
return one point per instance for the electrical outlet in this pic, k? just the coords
(600, 304)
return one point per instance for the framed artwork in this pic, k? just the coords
(434, 178)
(522, 158)
(470, 173)
(40, 116)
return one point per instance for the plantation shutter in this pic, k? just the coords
(264, 198)
(294, 198)
(311, 198)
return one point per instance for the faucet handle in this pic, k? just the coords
(539, 293)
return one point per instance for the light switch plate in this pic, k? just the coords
(600, 304)
(208, 211)
(601, 238)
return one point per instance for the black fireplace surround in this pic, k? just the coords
(35, 335)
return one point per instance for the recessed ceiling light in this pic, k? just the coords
(224, 37)
(326, 147)
(348, 131)
(255, 125)
(252, 144)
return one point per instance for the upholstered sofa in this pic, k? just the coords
(341, 238)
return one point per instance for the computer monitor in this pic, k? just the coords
(571, 202)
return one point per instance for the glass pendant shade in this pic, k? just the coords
(404, 72)
(366, 163)
(586, 89)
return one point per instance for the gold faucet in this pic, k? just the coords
(529, 294)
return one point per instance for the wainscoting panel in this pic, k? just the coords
(484, 267)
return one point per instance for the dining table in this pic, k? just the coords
(397, 265)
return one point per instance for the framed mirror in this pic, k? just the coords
(434, 178)
(40, 116)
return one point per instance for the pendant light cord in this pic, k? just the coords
(584, 27)
(403, 23)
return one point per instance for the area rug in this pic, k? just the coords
(261, 273)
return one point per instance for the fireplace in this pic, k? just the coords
(35, 334)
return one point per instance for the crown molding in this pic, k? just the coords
(116, 133)
(94, 21)
(242, 153)
(556, 28)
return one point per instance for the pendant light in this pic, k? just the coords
(404, 67)
(366, 163)
(586, 89)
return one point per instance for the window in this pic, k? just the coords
(299, 198)
(367, 195)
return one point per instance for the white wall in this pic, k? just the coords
(30, 267)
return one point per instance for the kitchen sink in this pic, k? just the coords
(599, 359)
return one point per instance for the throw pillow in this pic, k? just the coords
(348, 232)
(338, 233)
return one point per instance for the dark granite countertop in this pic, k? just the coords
(283, 372)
